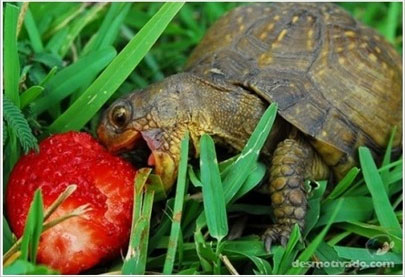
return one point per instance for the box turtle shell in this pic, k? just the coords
(337, 84)
(333, 78)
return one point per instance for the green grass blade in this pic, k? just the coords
(178, 207)
(11, 61)
(313, 245)
(19, 124)
(33, 32)
(387, 158)
(73, 77)
(371, 231)
(193, 177)
(253, 179)
(20, 267)
(55, 43)
(30, 95)
(77, 25)
(33, 228)
(290, 250)
(394, 12)
(146, 214)
(249, 246)
(383, 209)
(314, 207)
(49, 76)
(364, 255)
(75, 117)
(326, 253)
(213, 196)
(344, 184)
(109, 28)
(132, 262)
(355, 208)
(64, 18)
(243, 165)
(8, 237)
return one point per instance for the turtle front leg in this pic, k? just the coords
(293, 161)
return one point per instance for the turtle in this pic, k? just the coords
(337, 84)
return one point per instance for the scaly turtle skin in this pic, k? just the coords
(337, 84)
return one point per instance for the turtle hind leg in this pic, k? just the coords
(293, 161)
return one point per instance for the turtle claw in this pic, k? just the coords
(267, 243)
(276, 233)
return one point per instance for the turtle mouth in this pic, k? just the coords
(141, 148)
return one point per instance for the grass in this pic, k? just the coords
(68, 56)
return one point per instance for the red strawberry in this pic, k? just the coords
(103, 180)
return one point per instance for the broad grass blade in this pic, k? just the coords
(382, 206)
(33, 228)
(75, 117)
(213, 195)
(243, 165)
(178, 207)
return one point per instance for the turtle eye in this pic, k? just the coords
(120, 116)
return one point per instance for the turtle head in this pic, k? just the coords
(158, 115)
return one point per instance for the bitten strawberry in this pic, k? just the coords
(103, 180)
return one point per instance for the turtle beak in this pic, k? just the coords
(164, 163)
(165, 167)
(117, 143)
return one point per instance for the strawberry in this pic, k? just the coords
(104, 181)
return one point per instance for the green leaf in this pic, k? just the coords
(11, 61)
(364, 255)
(78, 24)
(69, 79)
(30, 95)
(5, 133)
(204, 252)
(193, 177)
(313, 245)
(249, 246)
(20, 267)
(213, 196)
(278, 253)
(33, 228)
(33, 32)
(8, 239)
(19, 124)
(146, 214)
(263, 266)
(327, 253)
(109, 28)
(253, 179)
(314, 207)
(178, 207)
(371, 231)
(354, 208)
(382, 206)
(155, 183)
(55, 43)
(394, 12)
(290, 250)
(49, 76)
(135, 260)
(243, 165)
(64, 14)
(385, 174)
(75, 117)
(344, 184)
(48, 59)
